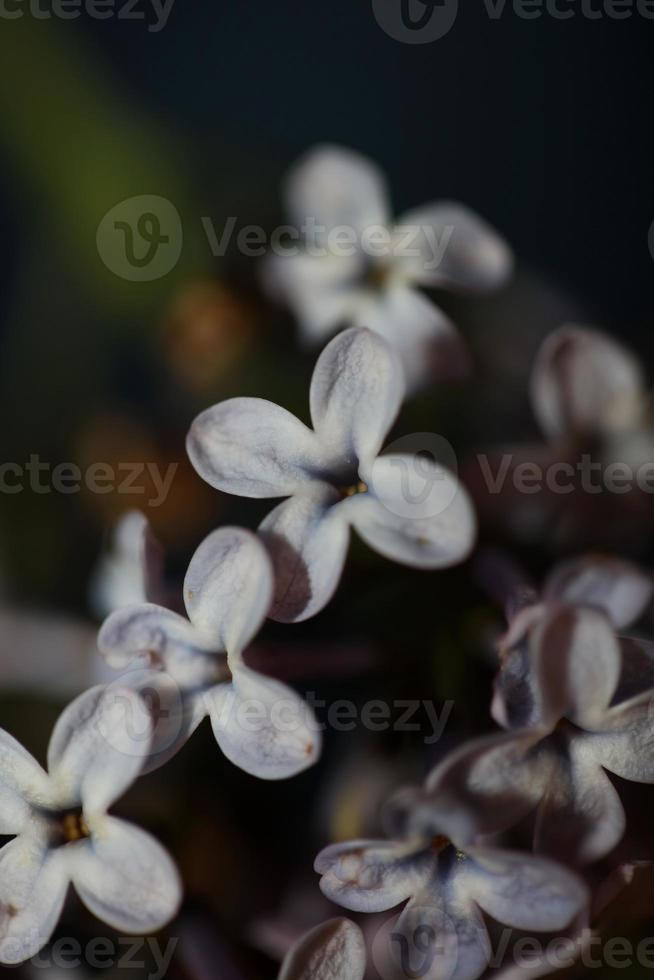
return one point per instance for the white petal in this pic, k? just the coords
(334, 950)
(98, 746)
(577, 659)
(125, 877)
(336, 186)
(427, 342)
(307, 538)
(440, 935)
(370, 875)
(617, 587)
(524, 891)
(580, 818)
(416, 512)
(263, 726)
(158, 637)
(33, 886)
(456, 249)
(22, 782)
(132, 570)
(252, 448)
(584, 382)
(356, 392)
(624, 742)
(323, 292)
(228, 588)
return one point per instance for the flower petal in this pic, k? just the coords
(576, 658)
(335, 186)
(580, 818)
(307, 538)
(125, 877)
(228, 588)
(427, 342)
(322, 291)
(263, 726)
(158, 638)
(370, 875)
(456, 249)
(98, 746)
(625, 742)
(132, 570)
(252, 448)
(33, 886)
(524, 891)
(334, 950)
(584, 382)
(416, 512)
(22, 782)
(618, 588)
(440, 935)
(486, 786)
(356, 392)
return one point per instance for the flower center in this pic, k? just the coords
(354, 489)
(439, 844)
(378, 275)
(72, 827)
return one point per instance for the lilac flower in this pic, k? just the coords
(64, 834)
(447, 891)
(333, 476)
(334, 950)
(575, 702)
(194, 667)
(334, 195)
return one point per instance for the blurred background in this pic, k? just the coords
(543, 126)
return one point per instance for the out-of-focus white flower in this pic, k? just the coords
(334, 476)
(357, 268)
(131, 570)
(64, 834)
(334, 950)
(447, 890)
(193, 668)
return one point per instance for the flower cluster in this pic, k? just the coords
(573, 696)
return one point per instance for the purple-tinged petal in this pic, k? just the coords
(580, 818)
(523, 891)
(263, 726)
(334, 950)
(356, 392)
(370, 875)
(625, 743)
(583, 382)
(416, 512)
(252, 448)
(228, 588)
(307, 538)
(618, 588)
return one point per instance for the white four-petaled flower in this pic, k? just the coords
(333, 475)
(355, 268)
(63, 833)
(193, 668)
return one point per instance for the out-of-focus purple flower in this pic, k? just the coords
(194, 667)
(334, 950)
(447, 890)
(568, 695)
(64, 834)
(374, 279)
(334, 476)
